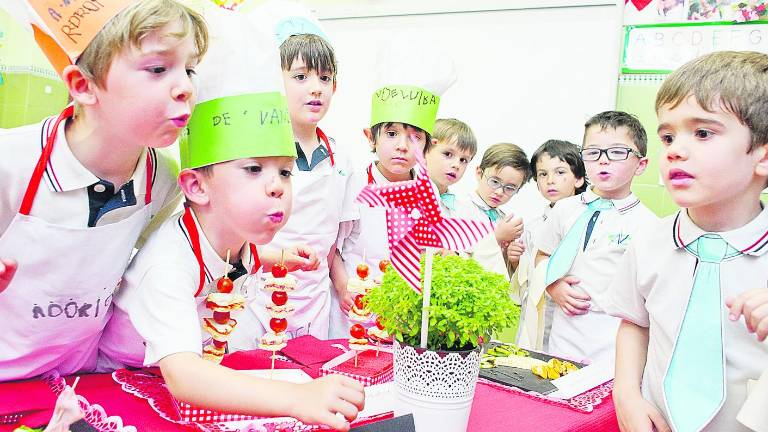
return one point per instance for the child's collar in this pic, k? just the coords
(751, 238)
(623, 205)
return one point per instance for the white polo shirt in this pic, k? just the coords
(652, 287)
(595, 265)
(158, 294)
(591, 336)
(487, 251)
(63, 196)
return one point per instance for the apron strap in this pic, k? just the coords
(194, 238)
(371, 180)
(324, 138)
(150, 175)
(45, 156)
(256, 260)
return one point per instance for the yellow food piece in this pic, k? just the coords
(539, 371)
(553, 369)
(552, 373)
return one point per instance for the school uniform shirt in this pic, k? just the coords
(528, 280)
(157, 313)
(592, 335)
(322, 200)
(55, 319)
(69, 194)
(487, 251)
(652, 287)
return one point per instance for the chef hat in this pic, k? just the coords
(241, 110)
(63, 29)
(409, 86)
(286, 19)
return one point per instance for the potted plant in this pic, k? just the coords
(468, 304)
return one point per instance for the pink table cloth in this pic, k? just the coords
(495, 408)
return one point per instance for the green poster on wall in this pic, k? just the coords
(30, 90)
(636, 94)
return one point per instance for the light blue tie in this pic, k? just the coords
(449, 200)
(562, 258)
(492, 213)
(694, 386)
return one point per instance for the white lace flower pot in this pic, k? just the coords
(436, 387)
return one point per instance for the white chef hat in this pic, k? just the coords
(242, 110)
(409, 85)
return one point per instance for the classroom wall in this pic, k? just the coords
(525, 75)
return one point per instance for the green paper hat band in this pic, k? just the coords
(238, 127)
(405, 104)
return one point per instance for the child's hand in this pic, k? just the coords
(346, 299)
(509, 229)
(636, 414)
(753, 304)
(571, 300)
(514, 251)
(7, 270)
(67, 411)
(318, 401)
(301, 257)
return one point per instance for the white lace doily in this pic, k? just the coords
(433, 375)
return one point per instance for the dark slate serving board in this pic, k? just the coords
(521, 378)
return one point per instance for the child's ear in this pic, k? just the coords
(761, 169)
(641, 166)
(80, 87)
(193, 185)
(430, 145)
(369, 135)
(479, 173)
(580, 181)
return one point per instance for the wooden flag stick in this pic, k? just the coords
(425, 295)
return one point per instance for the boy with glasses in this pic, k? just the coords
(586, 235)
(503, 170)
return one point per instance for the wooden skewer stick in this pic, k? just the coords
(226, 268)
(61, 413)
(272, 368)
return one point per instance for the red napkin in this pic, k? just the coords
(255, 359)
(309, 350)
(367, 364)
(33, 398)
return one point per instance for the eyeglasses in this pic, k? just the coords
(495, 183)
(612, 153)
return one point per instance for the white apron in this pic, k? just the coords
(373, 242)
(315, 223)
(59, 300)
